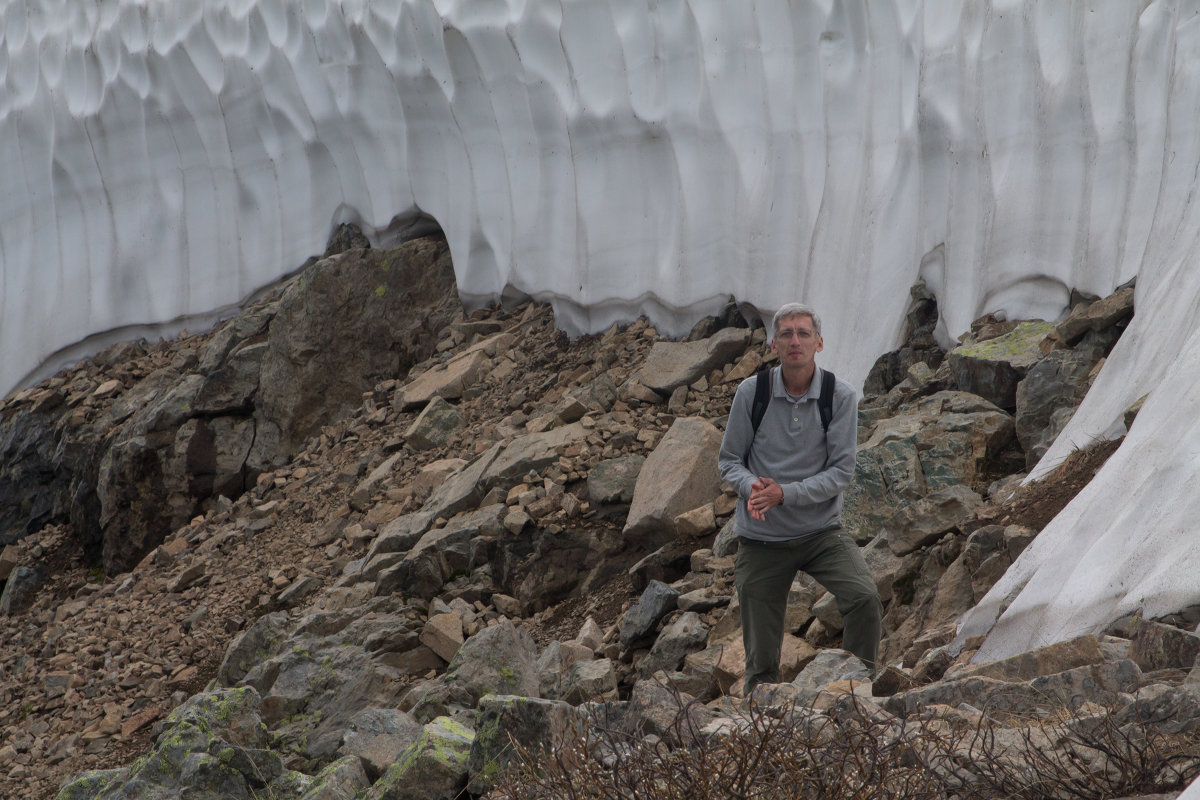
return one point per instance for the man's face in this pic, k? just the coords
(795, 342)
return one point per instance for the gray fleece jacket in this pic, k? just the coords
(812, 468)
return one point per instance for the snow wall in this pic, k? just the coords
(164, 160)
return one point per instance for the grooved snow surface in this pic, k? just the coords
(162, 160)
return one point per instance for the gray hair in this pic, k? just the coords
(795, 310)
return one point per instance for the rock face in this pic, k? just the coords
(391, 608)
(677, 477)
(142, 439)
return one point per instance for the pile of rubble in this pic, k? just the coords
(515, 530)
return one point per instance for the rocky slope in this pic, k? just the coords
(434, 512)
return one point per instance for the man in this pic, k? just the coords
(790, 475)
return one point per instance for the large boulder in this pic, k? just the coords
(938, 441)
(670, 365)
(927, 520)
(1044, 696)
(433, 768)
(1097, 316)
(685, 635)
(992, 368)
(678, 476)
(449, 380)
(638, 624)
(378, 736)
(20, 589)
(506, 720)
(347, 323)
(614, 480)
(500, 659)
(211, 746)
(1058, 381)
(532, 452)
(434, 426)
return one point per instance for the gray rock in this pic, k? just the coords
(553, 663)
(500, 659)
(726, 541)
(377, 737)
(1158, 646)
(1055, 383)
(344, 779)
(91, 784)
(672, 364)
(532, 452)
(884, 566)
(231, 386)
(685, 635)
(640, 620)
(927, 520)
(233, 335)
(20, 589)
(449, 380)
(537, 725)
(1083, 651)
(1044, 696)
(826, 610)
(462, 491)
(613, 480)
(440, 554)
(314, 687)
(828, 667)
(211, 746)
(677, 477)
(360, 498)
(1166, 710)
(589, 681)
(993, 368)
(399, 535)
(434, 426)
(346, 323)
(262, 640)
(597, 396)
(945, 439)
(658, 709)
(435, 767)
(1096, 316)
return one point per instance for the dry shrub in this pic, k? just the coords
(856, 752)
(1085, 756)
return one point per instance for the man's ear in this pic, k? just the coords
(820, 344)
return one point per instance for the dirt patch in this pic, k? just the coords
(562, 622)
(1037, 503)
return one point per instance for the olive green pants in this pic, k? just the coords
(764, 573)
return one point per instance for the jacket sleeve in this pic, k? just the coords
(841, 441)
(739, 433)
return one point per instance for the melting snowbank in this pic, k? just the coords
(163, 160)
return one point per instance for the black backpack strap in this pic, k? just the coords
(825, 401)
(762, 397)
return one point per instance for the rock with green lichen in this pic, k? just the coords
(88, 785)
(505, 719)
(500, 659)
(253, 646)
(210, 748)
(344, 779)
(378, 736)
(314, 688)
(434, 768)
(946, 439)
(993, 368)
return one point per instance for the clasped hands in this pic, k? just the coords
(765, 494)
